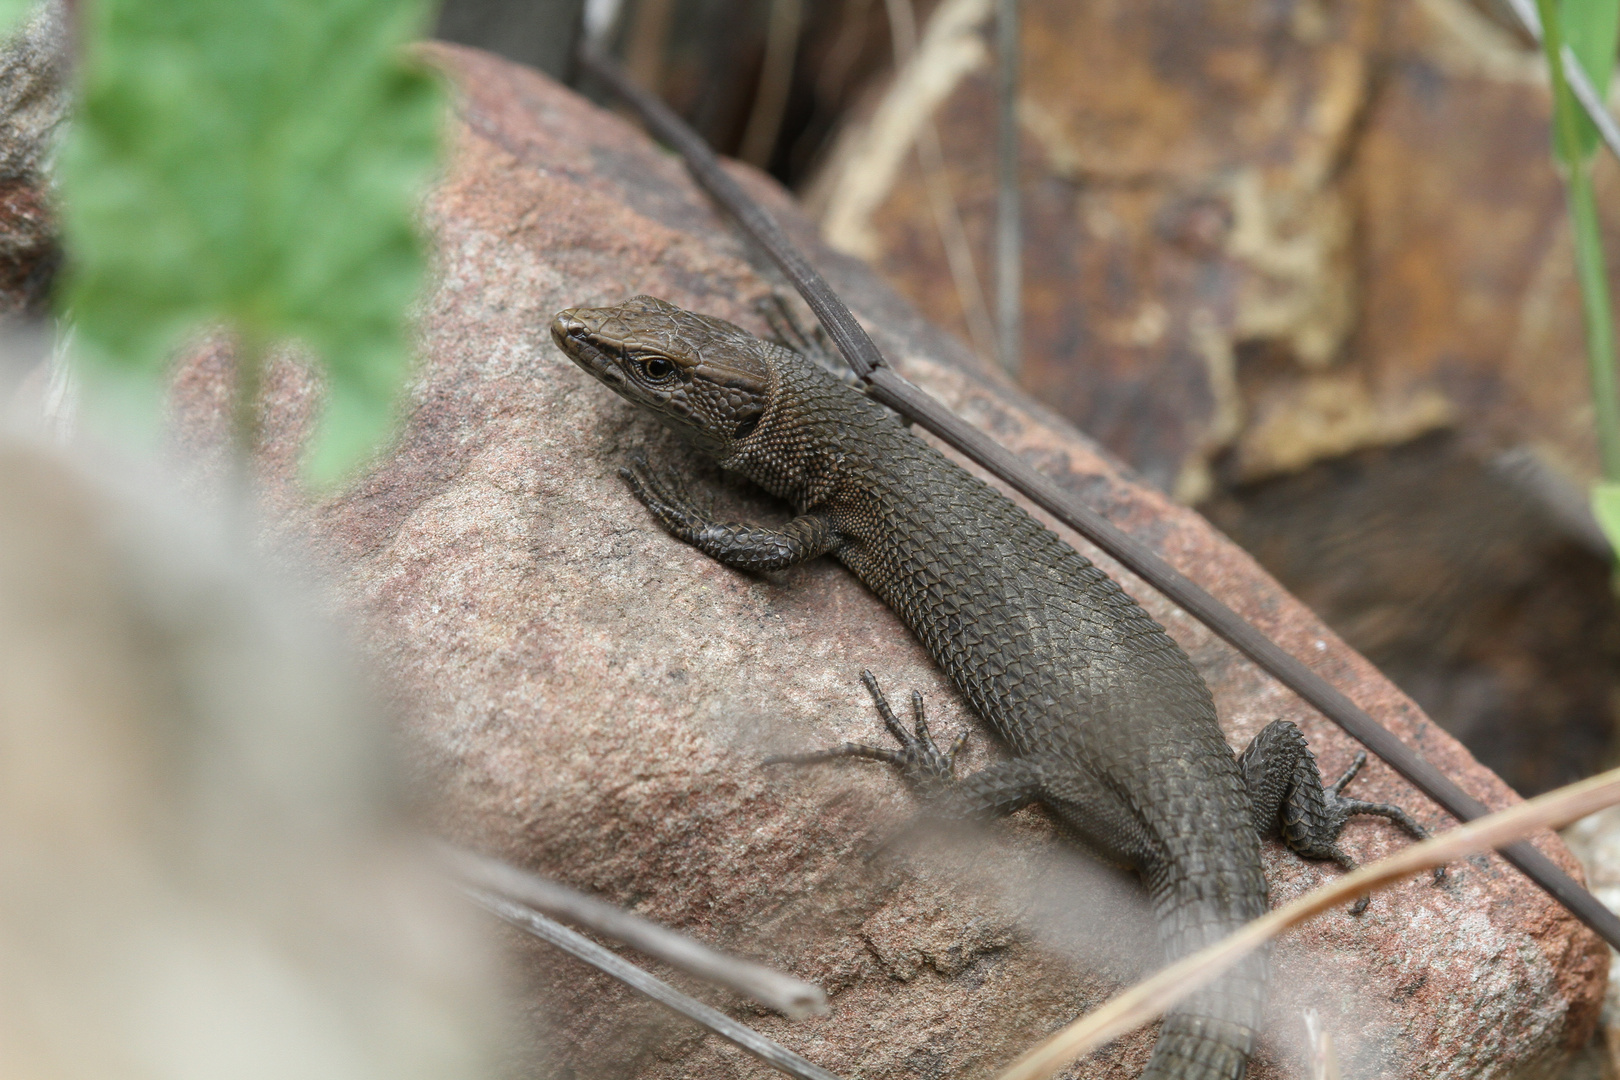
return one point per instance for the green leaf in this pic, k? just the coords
(254, 163)
(1606, 508)
(1592, 30)
(1591, 266)
(12, 12)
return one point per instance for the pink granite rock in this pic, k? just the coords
(34, 88)
(593, 697)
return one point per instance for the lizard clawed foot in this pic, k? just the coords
(1290, 797)
(1344, 808)
(665, 495)
(813, 344)
(926, 769)
(786, 330)
(1347, 864)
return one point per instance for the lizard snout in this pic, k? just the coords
(566, 327)
(575, 336)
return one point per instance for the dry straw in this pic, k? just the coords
(1157, 995)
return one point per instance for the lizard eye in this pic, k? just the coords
(657, 368)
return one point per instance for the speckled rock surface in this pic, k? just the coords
(33, 105)
(593, 698)
(1595, 841)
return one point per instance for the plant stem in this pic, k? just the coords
(1590, 268)
(1594, 281)
(245, 409)
(1009, 217)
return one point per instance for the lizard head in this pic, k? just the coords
(702, 376)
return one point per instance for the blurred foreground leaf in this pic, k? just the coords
(1606, 508)
(12, 12)
(1595, 25)
(254, 163)
(1592, 29)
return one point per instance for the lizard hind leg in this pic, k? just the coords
(993, 792)
(1290, 799)
(926, 769)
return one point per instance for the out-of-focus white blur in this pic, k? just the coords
(200, 871)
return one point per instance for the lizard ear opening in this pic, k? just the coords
(746, 426)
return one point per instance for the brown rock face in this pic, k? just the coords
(1265, 235)
(1450, 578)
(594, 697)
(1183, 197)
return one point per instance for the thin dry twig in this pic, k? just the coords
(649, 41)
(1156, 995)
(1009, 214)
(947, 216)
(1324, 1062)
(775, 80)
(791, 997)
(742, 1036)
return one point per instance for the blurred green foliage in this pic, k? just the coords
(257, 164)
(1592, 29)
(1589, 28)
(1606, 507)
(12, 12)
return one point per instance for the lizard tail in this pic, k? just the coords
(1197, 1047)
(1211, 1034)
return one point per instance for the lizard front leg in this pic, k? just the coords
(746, 547)
(1291, 800)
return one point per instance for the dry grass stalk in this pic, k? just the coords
(1154, 996)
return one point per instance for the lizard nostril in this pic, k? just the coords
(568, 324)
